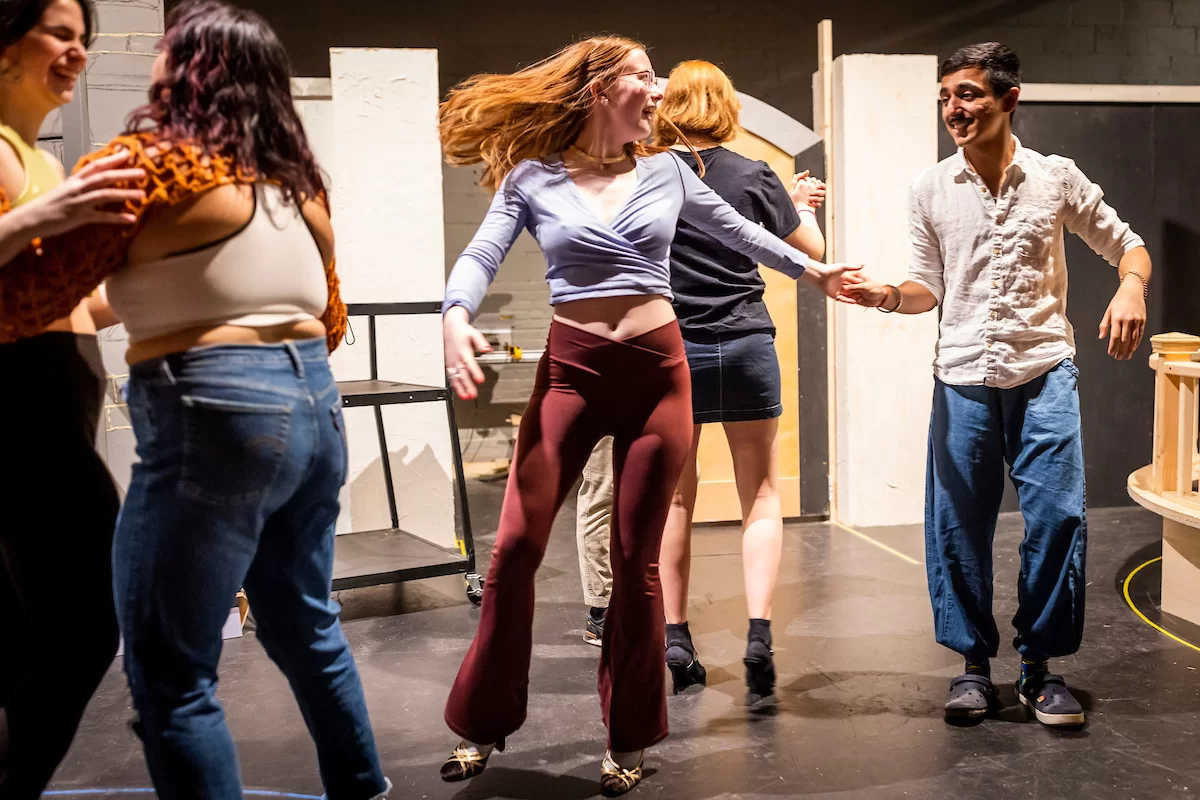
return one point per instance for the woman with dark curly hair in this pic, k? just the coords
(226, 286)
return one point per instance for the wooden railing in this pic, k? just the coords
(1167, 485)
(1176, 363)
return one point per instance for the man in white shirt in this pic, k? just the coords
(987, 233)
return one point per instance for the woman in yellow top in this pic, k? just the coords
(59, 503)
(226, 287)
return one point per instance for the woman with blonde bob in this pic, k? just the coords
(730, 344)
(562, 145)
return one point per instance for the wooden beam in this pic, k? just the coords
(1107, 93)
(825, 128)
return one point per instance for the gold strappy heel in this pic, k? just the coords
(463, 764)
(615, 781)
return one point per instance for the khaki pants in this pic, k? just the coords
(592, 521)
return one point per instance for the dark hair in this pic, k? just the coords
(227, 89)
(999, 62)
(19, 17)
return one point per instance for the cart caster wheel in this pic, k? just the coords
(474, 588)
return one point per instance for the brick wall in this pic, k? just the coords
(769, 49)
(767, 46)
(1101, 41)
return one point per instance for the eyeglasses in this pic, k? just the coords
(646, 76)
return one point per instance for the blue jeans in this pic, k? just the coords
(1035, 429)
(242, 456)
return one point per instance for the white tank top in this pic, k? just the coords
(269, 272)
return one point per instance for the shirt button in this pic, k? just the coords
(995, 284)
(996, 251)
(992, 315)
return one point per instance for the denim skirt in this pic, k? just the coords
(735, 377)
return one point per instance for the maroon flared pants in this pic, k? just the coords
(638, 391)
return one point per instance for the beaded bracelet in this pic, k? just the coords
(1138, 275)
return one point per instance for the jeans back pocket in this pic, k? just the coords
(339, 424)
(232, 450)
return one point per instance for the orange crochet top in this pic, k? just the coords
(50, 278)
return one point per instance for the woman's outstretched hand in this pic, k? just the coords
(829, 278)
(462, 341)
(860, 290)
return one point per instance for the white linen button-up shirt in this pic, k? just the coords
(997, 265)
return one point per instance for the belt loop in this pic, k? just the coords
(297, 361)
(164, 366)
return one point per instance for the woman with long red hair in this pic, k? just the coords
(562, 146)
(730, 342)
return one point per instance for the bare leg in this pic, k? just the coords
(756, 471)
(675, 556)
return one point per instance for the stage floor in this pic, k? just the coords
(861, 682)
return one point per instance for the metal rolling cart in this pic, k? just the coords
(392, 555)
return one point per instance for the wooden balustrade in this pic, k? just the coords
(1175, 408)
(1168, 485)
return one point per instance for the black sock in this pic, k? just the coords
(678, 634)
(760, 629)
(596, 613)
(983, 668)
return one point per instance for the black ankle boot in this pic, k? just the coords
(759, 661)
(686, 669)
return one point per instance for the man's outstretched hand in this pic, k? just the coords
(859, 290)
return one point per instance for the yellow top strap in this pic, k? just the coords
(40, 176)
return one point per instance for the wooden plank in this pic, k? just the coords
(1160, 424)
(1190, 369)
(1181, 571)
(1185, 445)
(1174, 409)
(1185, 510)
(1107, 93)
(825, 128)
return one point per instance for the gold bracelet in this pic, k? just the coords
(1138, 275)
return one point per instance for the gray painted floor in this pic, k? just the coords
(861, 681)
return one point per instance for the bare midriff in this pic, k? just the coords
(617, 318)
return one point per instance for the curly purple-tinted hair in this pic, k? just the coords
(227, 89)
